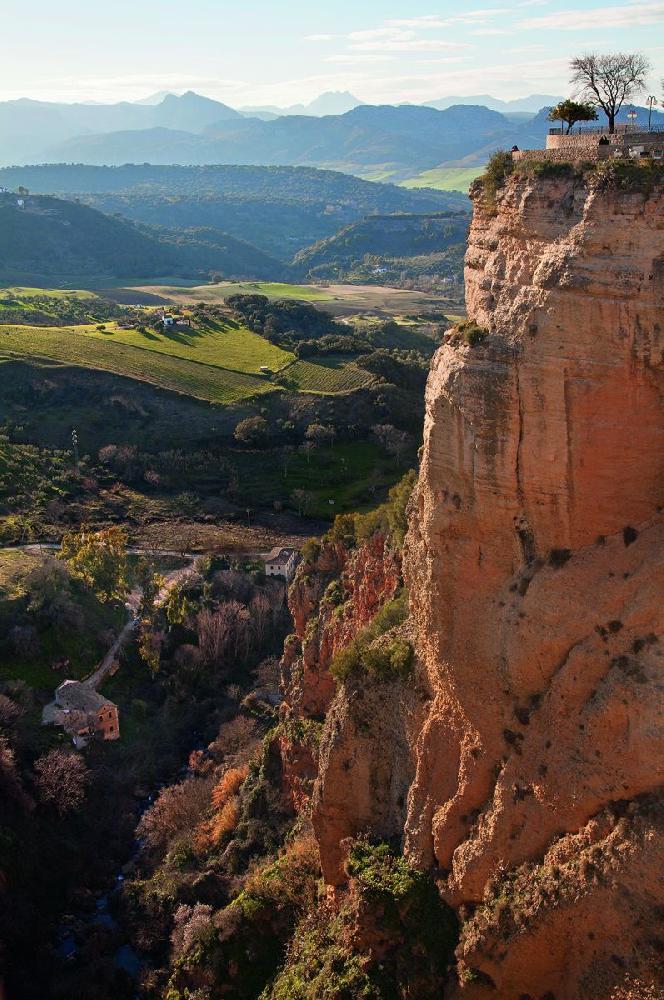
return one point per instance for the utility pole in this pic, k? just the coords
(651, 102)
(74, 441)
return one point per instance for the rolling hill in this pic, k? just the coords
(377, 246)
(281, 210)
(48, 237)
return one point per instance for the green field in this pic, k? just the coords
(220, 344)
(445, 178)
(74, 346)
(171, 361)
(48, 293)
(326, 377)
(350, 474)
(220, 291)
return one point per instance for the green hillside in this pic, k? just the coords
(444, 179)
(220, 344)
(79, 346)
(381, 248)
(59, 240)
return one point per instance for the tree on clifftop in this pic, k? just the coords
(609, 81)
(570, 112)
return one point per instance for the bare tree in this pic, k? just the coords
(301, 499)
(222, 631)
(261, 614)
(177, 809)
(391, 439)
(190, 925)
(609, 81)
(62, 777)
(320, 434)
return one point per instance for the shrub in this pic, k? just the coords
(253, 431)
(310, 550)
(380, 660)
(498, 169)
(390, 518)
(472, 333)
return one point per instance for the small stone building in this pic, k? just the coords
(281, 562)
(85, 714)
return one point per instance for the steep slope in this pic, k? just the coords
(522, 762)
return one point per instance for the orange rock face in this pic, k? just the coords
(330, 600)
(535, 562)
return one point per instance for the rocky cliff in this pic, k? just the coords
(522, 763)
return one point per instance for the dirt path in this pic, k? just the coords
(133, 604)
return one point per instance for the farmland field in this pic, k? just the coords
(219, 344)
(74, 346)
(445, 178)
(48, 293)
(220, 291)
(325, 377)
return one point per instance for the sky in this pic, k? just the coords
(261, 52)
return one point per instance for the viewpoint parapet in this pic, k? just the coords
(587, 142)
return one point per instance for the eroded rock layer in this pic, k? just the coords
(535, 562)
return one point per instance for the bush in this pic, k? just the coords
(391, 901)
(253, 431)
(472, 333)
(380, 660)
(390, 518)
(310, 550)
(498, 169)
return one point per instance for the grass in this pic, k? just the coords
(325, 377)
(48, 293)
(352, 475)
(78, 347)
(14, 567)
(445, 178)
(219, 344)
(218, 292)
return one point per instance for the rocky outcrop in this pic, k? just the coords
(335, 594)
(532, 737)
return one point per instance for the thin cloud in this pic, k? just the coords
(602, 17)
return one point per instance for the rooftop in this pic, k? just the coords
(279, 554)
(76, 695)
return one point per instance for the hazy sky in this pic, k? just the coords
(261, 51)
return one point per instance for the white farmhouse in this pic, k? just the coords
(281, 562)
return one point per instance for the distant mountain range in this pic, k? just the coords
(373, 141)
(533, 103)
(332, 102)
(28, 129)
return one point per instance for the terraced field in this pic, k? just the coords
(325, 377)
(76, 346)
(222, 345)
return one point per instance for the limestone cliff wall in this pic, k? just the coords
(535, 562)
(531, 737)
